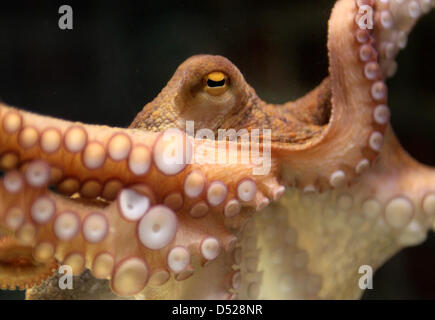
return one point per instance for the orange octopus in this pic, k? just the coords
(338, 192)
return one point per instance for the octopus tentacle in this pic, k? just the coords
(390, 207)
(198, 284)
(99, 238)
(380, 205)
(358, 115)
(281, 261)
(171, 224)
(18, 268)
(394, 21)
(407, 205)
(97, 161)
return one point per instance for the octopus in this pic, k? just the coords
(288, 203)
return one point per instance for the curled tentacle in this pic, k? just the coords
(328, 236)
(167, 206)
(98, 161)
(394, 20)
(133, 241)
(358, 111)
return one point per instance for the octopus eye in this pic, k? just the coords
(216, 83)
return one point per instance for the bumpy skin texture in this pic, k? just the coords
(346, 194)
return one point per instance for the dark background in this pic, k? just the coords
(120, 54)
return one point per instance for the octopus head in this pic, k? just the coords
(209, 90)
